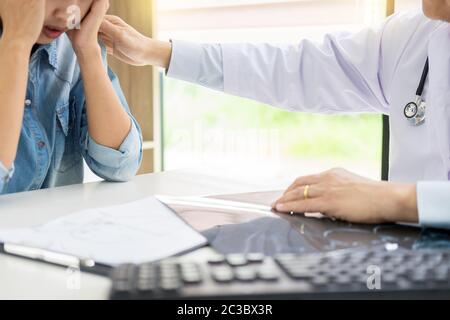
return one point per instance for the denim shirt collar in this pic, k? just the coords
(52, 52)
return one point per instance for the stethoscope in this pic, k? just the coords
(415, 111)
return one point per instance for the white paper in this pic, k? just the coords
(136, 232)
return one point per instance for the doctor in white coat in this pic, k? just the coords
(379, 70)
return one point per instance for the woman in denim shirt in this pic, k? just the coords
(59, 103)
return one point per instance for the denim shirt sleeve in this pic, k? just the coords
(5, 176)
(110, 164)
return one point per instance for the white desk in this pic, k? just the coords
(22, 279)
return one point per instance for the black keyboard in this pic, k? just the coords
(374, 273)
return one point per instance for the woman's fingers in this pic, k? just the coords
(100, 7)
(97, 13)
(94, 18)
(87, 35)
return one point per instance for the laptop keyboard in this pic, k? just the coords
(352, 273)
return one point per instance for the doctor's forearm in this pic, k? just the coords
(158, 53)
(405, 207)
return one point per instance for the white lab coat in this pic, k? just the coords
(371, 71)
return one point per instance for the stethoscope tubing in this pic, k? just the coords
(423, 79)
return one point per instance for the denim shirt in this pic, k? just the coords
(54, 137)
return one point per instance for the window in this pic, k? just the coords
(213, 131)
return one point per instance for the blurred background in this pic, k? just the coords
(187, 126)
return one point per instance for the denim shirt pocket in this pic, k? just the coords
(65, 154)
(62, 114)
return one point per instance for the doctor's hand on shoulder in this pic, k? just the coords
(130, 46)
(342, 195)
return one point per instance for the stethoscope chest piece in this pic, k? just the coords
(415, 112)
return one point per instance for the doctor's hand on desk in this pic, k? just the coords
(345, 196)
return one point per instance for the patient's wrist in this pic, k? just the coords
(89, 55)
(16, 46)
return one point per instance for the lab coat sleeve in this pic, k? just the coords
(200, 64)
(344, 73)
(433, 201)
(5, 176)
